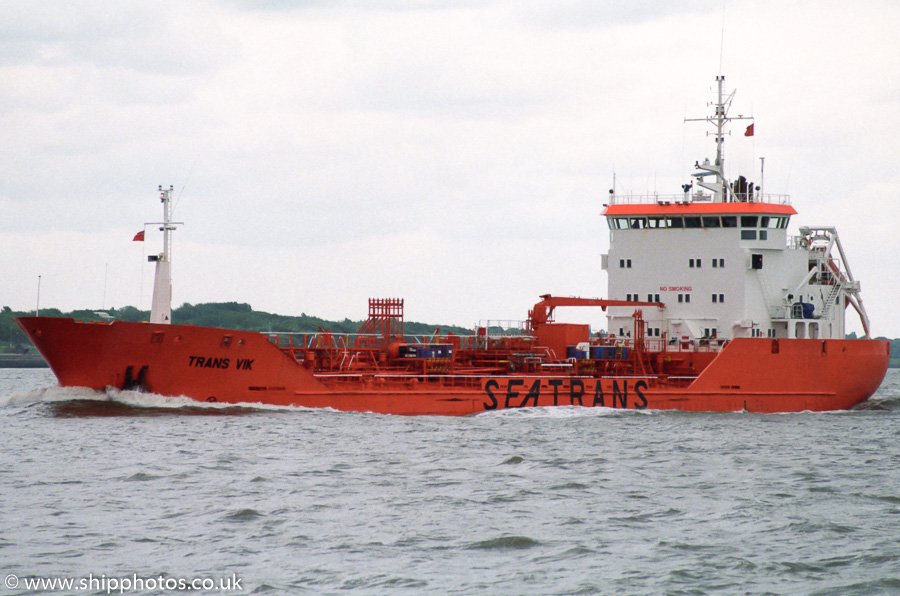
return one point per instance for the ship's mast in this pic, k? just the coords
(161, 309)
(719, 119)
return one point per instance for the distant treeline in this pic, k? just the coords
(227, 315)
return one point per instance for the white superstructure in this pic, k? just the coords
(720, 259)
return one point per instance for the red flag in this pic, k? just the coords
(139, 237)
(749, 131)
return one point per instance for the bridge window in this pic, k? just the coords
(770, 222)
(763, 235)
(748, 234)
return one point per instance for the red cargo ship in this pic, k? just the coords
(738, 316)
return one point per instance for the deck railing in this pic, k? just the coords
(683, 199)
(346, 342)
(349, 341)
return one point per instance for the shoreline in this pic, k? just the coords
(22, 361)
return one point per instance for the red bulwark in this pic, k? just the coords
(698, 208)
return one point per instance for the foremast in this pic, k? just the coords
(161, 308)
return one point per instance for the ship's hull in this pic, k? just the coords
(209, 364)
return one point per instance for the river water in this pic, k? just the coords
(137, 491)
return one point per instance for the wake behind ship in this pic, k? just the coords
(711, 306)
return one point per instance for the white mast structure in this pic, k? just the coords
(161, 309)
(720, 187)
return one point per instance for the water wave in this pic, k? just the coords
(50, 394)
(244, 515)
(505, 543)
(563, 412)
(521, 503)
(82, 401)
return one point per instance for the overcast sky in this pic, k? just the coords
(455, 153)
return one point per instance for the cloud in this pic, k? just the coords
(342, 140)
(162, 38)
